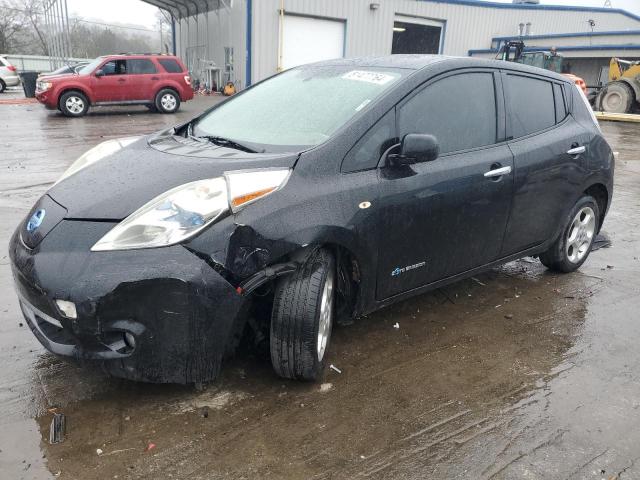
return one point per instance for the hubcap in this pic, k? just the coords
(168, 101)
(581, 234)
(613, 100)
(326, 316)
(74, 104)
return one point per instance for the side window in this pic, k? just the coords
(140, 66)
(460, 111)
(170, 65)
(115, 67)
(561, 106)
(366, 153)
(531, 105)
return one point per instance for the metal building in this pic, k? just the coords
(244, 41)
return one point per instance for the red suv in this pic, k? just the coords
(160, 82)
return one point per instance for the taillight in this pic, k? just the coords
(11, 68)
(187, 79)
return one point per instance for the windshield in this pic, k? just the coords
(299, 108)
(87, 69)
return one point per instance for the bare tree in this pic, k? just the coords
(34, 12)
(12, 23)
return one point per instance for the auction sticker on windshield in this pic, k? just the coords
(370, 77)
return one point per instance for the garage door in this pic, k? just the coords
(306, 40)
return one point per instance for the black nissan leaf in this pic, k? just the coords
(319, 195)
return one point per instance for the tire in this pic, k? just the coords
(617, 97)
(302, 318)
(3, 86)
(573, 246)
(167, 101)
(73, 104)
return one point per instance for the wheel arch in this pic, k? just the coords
(166, 87)
(73, 89)
(600, 193)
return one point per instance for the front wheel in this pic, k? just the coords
(167, 101)
(73, 104)
(573, 246)
(302, 318)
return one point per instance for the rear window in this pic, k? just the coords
(531, 105)
(170, 65)
(561, 108)
(140, 66)
(3, 62)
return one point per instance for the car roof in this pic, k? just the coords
(419, 62)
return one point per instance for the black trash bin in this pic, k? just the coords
(29, 83)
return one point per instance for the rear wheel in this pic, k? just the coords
(167, 101)
(573, 246)
(3, 86)
(73, 104)
(617, 97)
(302, 318)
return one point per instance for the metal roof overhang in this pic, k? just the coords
(188, 8)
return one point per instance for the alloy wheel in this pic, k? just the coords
(580, 234)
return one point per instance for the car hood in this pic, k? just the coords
(119, 184)
(60, 76)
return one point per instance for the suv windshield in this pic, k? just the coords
(87, 69)
(298, 108)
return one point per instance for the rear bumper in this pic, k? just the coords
(181, 312)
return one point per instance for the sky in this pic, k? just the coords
(140, 13)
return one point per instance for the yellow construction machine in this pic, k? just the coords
(621, 94)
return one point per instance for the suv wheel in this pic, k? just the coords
(73, 104)
(302, 318)
(573, 246)
(167, 101)
(2, 86)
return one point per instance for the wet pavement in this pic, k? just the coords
(517, 373)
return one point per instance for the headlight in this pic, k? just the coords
(98, 152)
(184, 211)
(43, 86)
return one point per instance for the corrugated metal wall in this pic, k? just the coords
(369, 32)
(202, 39)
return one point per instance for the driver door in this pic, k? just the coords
(113, 85)
(446, 216)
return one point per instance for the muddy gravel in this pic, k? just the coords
(516, 373)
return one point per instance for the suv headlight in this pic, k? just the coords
(98, 152)
(182, 212)
(43, 86)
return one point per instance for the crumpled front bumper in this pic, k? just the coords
(179, 308)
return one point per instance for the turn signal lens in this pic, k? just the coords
(247, 187)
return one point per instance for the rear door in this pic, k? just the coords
(546, 176)
(443, 217)
(143, 78)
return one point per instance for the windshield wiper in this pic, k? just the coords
(227, 142)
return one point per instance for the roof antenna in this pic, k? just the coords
(607, 4)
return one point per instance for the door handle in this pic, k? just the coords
(497, 172)
(155, 78)
(577, 150)
(121, 80)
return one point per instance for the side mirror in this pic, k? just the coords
(99, 73)
(416, 148)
